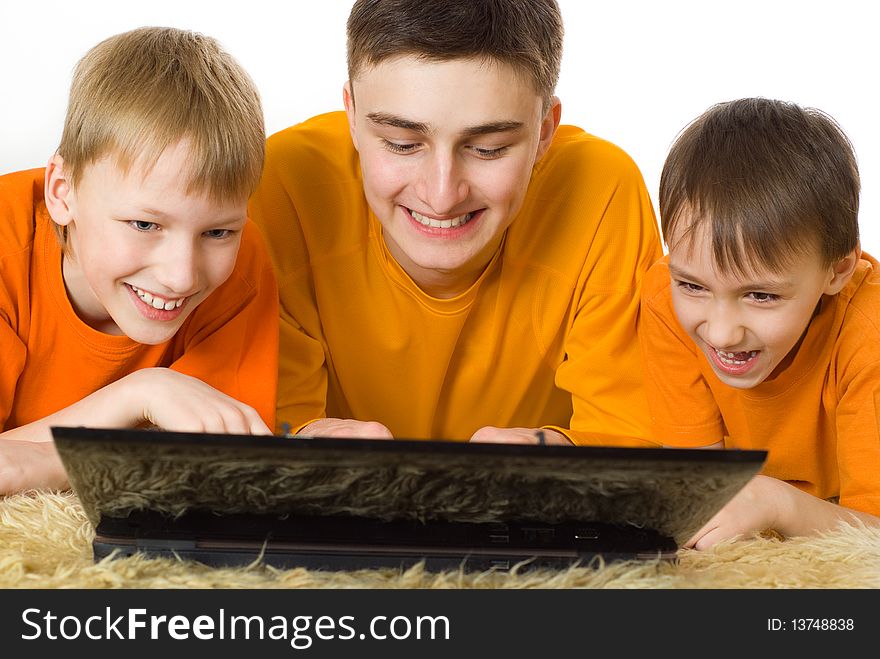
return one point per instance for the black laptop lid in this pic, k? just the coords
(674, 491)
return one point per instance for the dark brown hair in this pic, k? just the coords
(770, 179)
(525, 34)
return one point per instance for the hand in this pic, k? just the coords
(346, 428)
(174, 401)
(25, 465)
(493, 435)
(755, 508)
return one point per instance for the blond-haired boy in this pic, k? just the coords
(133, 290)
(760, 329)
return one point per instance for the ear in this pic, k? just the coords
(549, 124)
(348, 101)
(58, 192)
(842, 271)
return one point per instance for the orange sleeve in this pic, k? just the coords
(858, 440)
(11, 364)
(601, 368)
(231, 340)
(682, 407)
(18, 195)
(302, 382)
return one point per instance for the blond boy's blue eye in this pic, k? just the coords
(143, 225)
(218, 233)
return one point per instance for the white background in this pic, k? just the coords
(633, 72)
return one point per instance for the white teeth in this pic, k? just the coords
(157, 302)
(441, 224)
(730, 357)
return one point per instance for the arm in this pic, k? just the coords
(602, 368)
(769, 503)
(155, 396)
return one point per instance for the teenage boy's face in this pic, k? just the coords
(446, 151)
(144, 252)
(745, 325)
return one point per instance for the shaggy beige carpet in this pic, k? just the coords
(45, 542)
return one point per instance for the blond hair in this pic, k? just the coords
(137, 93)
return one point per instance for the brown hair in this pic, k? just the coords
(770, 179)
(526, 34)
(137, 93)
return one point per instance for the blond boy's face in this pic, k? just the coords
(446, 151)
(143, 252)
(745, 325)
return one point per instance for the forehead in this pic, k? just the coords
(154, 180)
(693, 257)
(431, 91)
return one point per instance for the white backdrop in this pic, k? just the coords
(633, 72)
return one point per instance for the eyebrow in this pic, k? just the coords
(394, 121)
(678, 273)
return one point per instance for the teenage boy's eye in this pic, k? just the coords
(143, 225)
(396, 147)
(489, 154)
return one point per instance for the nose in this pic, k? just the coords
(723, 327)
(443, 182)
(177, 267)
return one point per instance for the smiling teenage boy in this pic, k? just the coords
(760, 330)
(452, 263)
(133, 290)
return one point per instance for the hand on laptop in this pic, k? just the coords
(25, 465)
(767, 503)
(346, 428)
(174, 401)
(493, 435)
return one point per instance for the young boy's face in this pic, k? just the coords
(143, 251)
(446, 150)
(745, 325)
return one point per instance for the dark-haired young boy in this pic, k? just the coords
(452, 262)
(761, 329)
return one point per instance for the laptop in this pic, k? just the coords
(344, 504)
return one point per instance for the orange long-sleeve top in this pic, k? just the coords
(50, 359)
(819, 418)
(545, 338)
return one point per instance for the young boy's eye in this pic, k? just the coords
(218, 234)
(143, 225)
(397, 147)
(763, 297)
(688, 287)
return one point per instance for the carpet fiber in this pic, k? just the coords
(45, 542)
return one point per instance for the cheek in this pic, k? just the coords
(504, 184)
(686, 311)
(383, 178)
(218, 264)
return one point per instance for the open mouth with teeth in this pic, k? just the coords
(434, 223)
(156, 302)
(734, 363)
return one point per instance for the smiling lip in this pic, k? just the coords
(150, 312)
(450, 227)
(734, 363)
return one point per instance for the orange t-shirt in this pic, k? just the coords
(545, 337)
(50, 359)
(819, 418)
